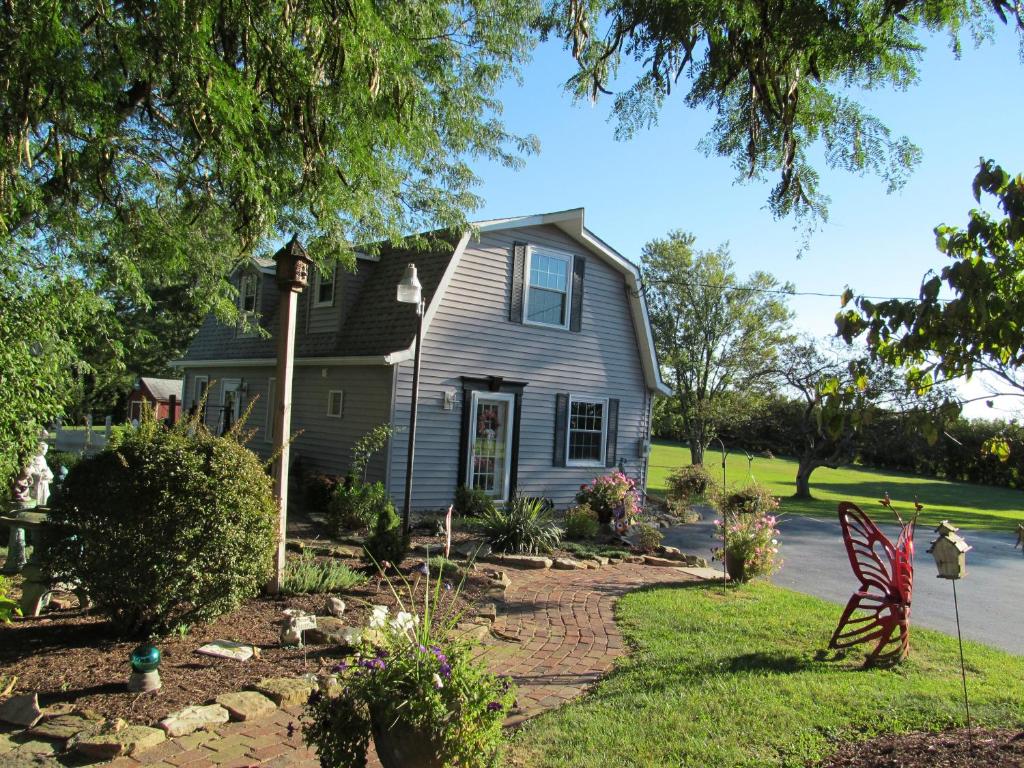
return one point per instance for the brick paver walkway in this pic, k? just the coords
(555, 635)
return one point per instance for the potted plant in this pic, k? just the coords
(749, 533)
(419, 694)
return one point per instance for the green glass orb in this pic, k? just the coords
(145, 658)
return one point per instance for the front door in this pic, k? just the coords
(231, 404)
(490, 443)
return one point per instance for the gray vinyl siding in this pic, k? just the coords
(471, 335)
(322, 442)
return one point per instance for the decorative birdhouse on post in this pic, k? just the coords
(950, 552)
(292, 265)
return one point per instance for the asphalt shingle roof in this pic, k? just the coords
(162, 389)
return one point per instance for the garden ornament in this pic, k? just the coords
(1020, 537)
(145, 662)
(886, 575)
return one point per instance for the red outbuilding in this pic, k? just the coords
(158, 393)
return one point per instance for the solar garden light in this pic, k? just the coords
(145, 676)
(410, 291)
(950, 553)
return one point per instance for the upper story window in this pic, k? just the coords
(247, 293)
(548, 293)
(588, 425)
(324, 289)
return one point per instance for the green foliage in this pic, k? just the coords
(8, 608)
(779, 80)
(612, 497)
(715, 335)
(472, 502)
(319, 490)
(306, 575)
(588, 550)
(57, 460)
(167, 527)
(368, 446)
(688, 484)
(524, 526)
(581, 522)
(753, 499)
(646, 538)
(442, 568)
(387, 543)
(355, 506)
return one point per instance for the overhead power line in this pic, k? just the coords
(779, 291)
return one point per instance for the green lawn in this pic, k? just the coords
(731, 678)
(972, 506)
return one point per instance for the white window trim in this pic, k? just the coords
(509, 398)
(268, 428)
(569, 258)
(243, 281)
(341, 403)
(230, 385)
(196, 396)
(316, 288)
(604, 431)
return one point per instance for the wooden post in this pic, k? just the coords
(292, 275)
(173, 406)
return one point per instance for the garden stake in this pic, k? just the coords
(725, 522)
(963, 670)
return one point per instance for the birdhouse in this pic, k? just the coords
(950, 552)
(292, 265)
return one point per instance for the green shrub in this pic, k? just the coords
(319, 490)
(307, 575)
(524, 526)
(167, 526)
(472, 502)
(58, 459)
(688, 484)
(646, 538)
(355, 505)
(589, 551)
(366, 447)
(442, 568)
(387, 543)
(754, 499)
(581, 523)
(8, 607)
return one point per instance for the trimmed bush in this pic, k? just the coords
(687, 484)
(355, 505)
(319, 490)
(306, 575)
(387, 543)
(472, 502)
(167, 527)
(581, 523)
(646, 538)
(524, 526)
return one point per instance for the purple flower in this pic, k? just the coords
(445, 669)
(493, 706)
(423, 648)
(340, 667)
(375, 663)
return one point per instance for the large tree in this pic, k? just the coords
(779, 75)
(174, 138)
(715, 335)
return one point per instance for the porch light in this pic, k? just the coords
(409, 290)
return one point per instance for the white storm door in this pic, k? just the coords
(490, 443)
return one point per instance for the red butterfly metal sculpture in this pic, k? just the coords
(881, 605)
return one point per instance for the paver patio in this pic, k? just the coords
(555, 635)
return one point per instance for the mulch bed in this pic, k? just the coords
(948, 749)
(73, 657)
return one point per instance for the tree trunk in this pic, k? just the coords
(803, 478)
(696, 449)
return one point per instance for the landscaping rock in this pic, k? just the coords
(488, 611)
(636, 559)
(7, 683)
(21, 710)
(533, 562)
(294, 546)
(189, 719)
(500, 577)
(328, 630)
(335, 607)
(285, 691)
(226, 649)
(129, 740)
(672, 553)
(336, 550)
(664, 562)
(37, 747)
(246, 705)
(7, 743)
(601, 560)
(465, 630)
(64, 727)
(20, 759)
(567, 564)
(472, 548)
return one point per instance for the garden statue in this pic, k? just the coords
(886, 575)
(40, 474)
(30, 489)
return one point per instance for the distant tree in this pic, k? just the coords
(716, 336)
(779, 76)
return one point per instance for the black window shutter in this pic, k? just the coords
(561, 425)
(610, 456)
(579, 267)
(513, 470)
(467, 404)
(515, 305)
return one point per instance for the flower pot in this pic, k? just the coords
(736, 566)
(400, 745)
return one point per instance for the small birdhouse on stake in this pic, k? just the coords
(292, 265)
(950, 552)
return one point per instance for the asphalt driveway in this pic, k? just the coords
(991, 595)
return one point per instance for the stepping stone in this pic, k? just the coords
(37, 747)
(7, 683)
(285, 691)
(664, 562)
(465, 630)
(21, 710)
(64, 727)
(189, 719)
(246, 705)
(488, 611)
(129, 740)
(19, 759)
(226, 649)
(534, 562)
(567, 564)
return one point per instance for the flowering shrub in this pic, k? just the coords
(685, 484)
(612, 497)
(410, 687)
(748, 528)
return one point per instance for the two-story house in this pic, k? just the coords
(538, 366)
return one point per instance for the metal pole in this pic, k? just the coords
(407, 502)
(725, 522)
(963, 669)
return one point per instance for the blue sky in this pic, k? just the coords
(640, 189)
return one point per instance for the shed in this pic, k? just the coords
(158, 393)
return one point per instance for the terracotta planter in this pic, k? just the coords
(401, 746)
(736, 566)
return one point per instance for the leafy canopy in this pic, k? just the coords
(777, 74)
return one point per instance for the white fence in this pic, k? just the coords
(84, 439)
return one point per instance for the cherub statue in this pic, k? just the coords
(41, 475)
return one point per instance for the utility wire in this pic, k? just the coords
(777, 291)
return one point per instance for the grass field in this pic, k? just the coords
(972, 506)
(733, 677)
